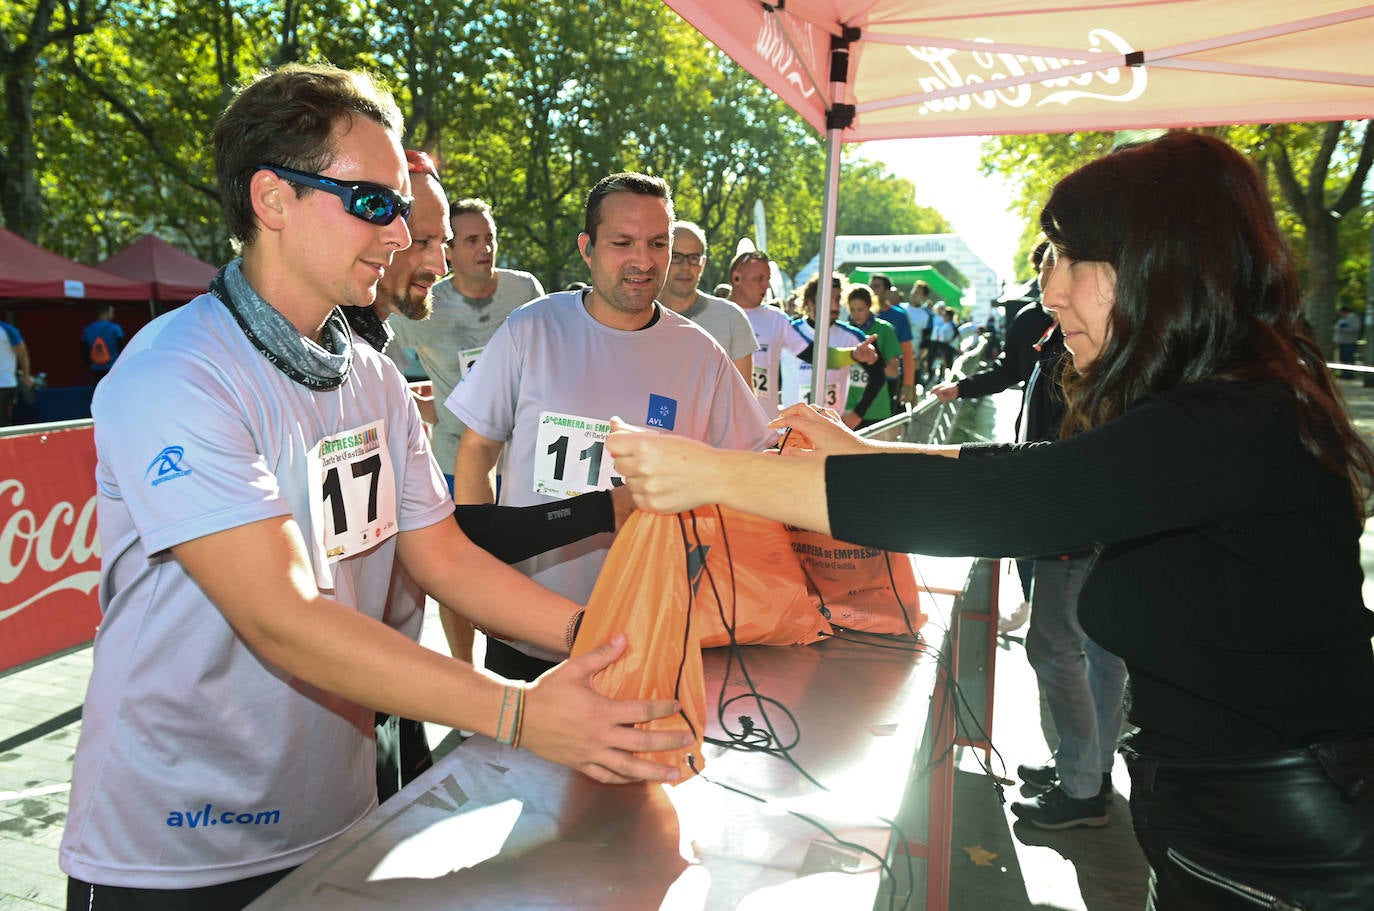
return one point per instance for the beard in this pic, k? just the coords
(409, 305)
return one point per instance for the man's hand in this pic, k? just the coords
(908, 395)
(866, 353)
(569, 722)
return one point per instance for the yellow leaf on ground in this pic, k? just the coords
(980, 855)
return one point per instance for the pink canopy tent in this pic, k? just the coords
(175, 276)
(28, 271)
(886, 69)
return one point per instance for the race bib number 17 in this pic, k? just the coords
(570, 456)
(352, 496)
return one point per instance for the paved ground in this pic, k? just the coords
(1096, 870)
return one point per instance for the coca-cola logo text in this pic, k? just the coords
(953, 69)
(59, 542)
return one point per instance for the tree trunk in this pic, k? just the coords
(20, 199)
(1323, 253)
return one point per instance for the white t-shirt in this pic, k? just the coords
(199, 763)
(796, 374)
(548, 384)
(451, 339)
(726, 323)
(775, 336)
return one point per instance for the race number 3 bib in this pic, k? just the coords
(466, 359)
(570, 456)
(352, 496)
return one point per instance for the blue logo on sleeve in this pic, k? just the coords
(166, 466)
(662, 412)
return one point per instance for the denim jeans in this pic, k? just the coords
(1080, 684)
(1290, 831)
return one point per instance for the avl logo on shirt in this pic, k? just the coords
(167, 465)
(662, 412)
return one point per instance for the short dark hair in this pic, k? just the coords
(809, 292)
(287, 117)
(879, 277)
(624, 182)
(469, 206)
(862, 292)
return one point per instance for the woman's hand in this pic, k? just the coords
(818, 429)
(568, 722)
(666, 473)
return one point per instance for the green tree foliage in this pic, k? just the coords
(874, 201)
(1316, 171)
(523, 104)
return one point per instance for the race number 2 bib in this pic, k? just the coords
(352, 496)
(570, 456)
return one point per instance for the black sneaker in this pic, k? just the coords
(1056, 810)
(1042, 777)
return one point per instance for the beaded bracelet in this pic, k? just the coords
(512, 717)
(574, 625)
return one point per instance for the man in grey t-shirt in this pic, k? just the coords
(468, 308)
(723, 319)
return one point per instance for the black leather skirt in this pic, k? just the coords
(1290, 831)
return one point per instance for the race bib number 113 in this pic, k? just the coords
(570, 456)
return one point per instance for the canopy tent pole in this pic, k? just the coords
(837, 119)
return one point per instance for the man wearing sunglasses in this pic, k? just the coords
(724, 320)
(259, 475)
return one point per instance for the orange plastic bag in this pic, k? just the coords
(860, 588)
(753, 583)
(645, 590)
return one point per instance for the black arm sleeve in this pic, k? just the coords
(1017, 359)
(876, 384)
(515, 533)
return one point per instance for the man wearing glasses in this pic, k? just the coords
(724, 320)
(258, 477)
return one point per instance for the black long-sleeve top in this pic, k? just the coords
(1227, 569)
(1043, 407)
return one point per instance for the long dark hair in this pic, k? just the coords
(1205, 289)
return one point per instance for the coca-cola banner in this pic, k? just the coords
(49, 553)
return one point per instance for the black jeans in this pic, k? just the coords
(1291, 831)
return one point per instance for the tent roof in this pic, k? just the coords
(29, 271)
(971, 67)
(174, 274)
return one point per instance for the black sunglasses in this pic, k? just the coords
(372, 202)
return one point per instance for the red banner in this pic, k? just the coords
(49, 552)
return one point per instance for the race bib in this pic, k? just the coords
(352, 496)
(858, 376)
(761, 385)
(570, 456)
(466, 358)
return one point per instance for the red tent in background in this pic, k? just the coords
(29, 271)
(52, 299)
(175, 276)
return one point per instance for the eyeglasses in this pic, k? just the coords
(748, 256)
(691, 259)
(373, 203)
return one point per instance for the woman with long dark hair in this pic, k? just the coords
(1208, 462)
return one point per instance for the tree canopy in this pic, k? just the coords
(525, 105)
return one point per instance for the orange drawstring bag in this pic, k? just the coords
(646, 590)
(754, 583)
(860, 588)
